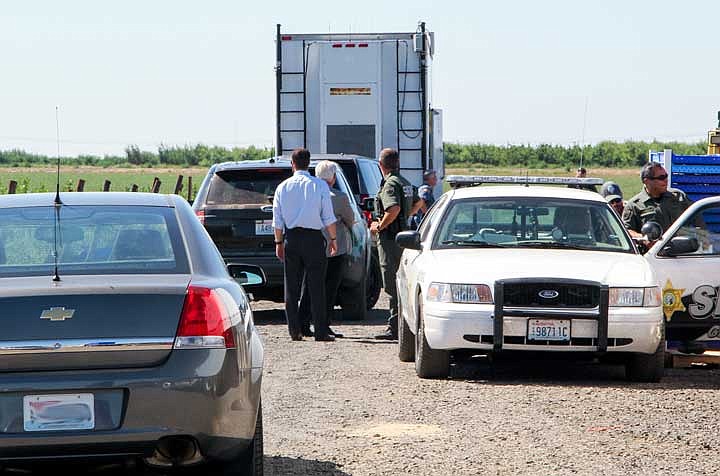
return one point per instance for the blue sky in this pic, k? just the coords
(184, 72)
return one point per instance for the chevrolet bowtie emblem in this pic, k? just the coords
(57, 314)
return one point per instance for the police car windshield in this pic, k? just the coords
(532, 222)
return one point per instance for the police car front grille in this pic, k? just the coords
(551, 295)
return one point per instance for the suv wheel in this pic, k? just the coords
(352, 301)
(374, 281)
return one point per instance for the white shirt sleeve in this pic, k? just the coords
(277, 220)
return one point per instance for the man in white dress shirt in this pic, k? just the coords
(302, 208)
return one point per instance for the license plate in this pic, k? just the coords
(59, 412)
(549, 329)
(263, 227)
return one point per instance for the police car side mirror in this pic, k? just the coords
(408, 239)
(368, 204)
(652, 230)
(681, 245)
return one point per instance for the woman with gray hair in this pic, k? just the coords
(327, 170)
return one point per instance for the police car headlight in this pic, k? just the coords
(635, 297)
(460, 293)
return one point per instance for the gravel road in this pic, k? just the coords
(352, 408)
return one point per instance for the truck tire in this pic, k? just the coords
(646, 367)
(429, 363)
(406, 340)
(374, 281)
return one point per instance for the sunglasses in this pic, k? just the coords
(659, 177)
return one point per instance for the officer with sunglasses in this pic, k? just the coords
(655, 202)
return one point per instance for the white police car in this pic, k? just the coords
(526, 268)
(686, 260)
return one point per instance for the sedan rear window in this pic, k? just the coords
(90, 240)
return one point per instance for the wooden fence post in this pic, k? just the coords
(12, 186)
(178, 185)
(156, 185)
(189, 189)
(134, 188)
(106, 186)
(80, 185)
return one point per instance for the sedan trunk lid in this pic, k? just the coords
(89, 322)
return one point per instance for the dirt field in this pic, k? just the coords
(351, 408)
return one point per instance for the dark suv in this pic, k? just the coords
(364, 177)
(234, 203)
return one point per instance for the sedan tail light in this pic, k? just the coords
(205, 321)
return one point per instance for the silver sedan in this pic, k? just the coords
(124, 336)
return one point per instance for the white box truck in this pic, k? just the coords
(358, 93)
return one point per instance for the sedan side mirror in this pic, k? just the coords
(248, 276)
(408, 239)
(681, 245)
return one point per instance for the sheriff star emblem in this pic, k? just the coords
(672, 300)
(57, 314)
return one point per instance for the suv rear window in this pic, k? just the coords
(351, 174)
(371, 176)
(252, 187)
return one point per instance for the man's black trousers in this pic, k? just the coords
(336, 266)
(305, 256)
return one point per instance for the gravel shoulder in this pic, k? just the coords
(352, 408)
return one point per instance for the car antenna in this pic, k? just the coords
(57, 201)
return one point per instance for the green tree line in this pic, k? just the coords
(602, 154)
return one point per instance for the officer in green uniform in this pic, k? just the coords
(655, 202)
(396, 201)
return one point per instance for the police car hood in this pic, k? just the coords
(489, 265)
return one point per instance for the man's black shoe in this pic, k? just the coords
(296, 337)
(327, 338)
(337, 335)
(387, 335)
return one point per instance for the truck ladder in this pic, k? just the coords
(411, 133)
(283, 113)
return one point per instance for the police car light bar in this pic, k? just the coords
(456, 181)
